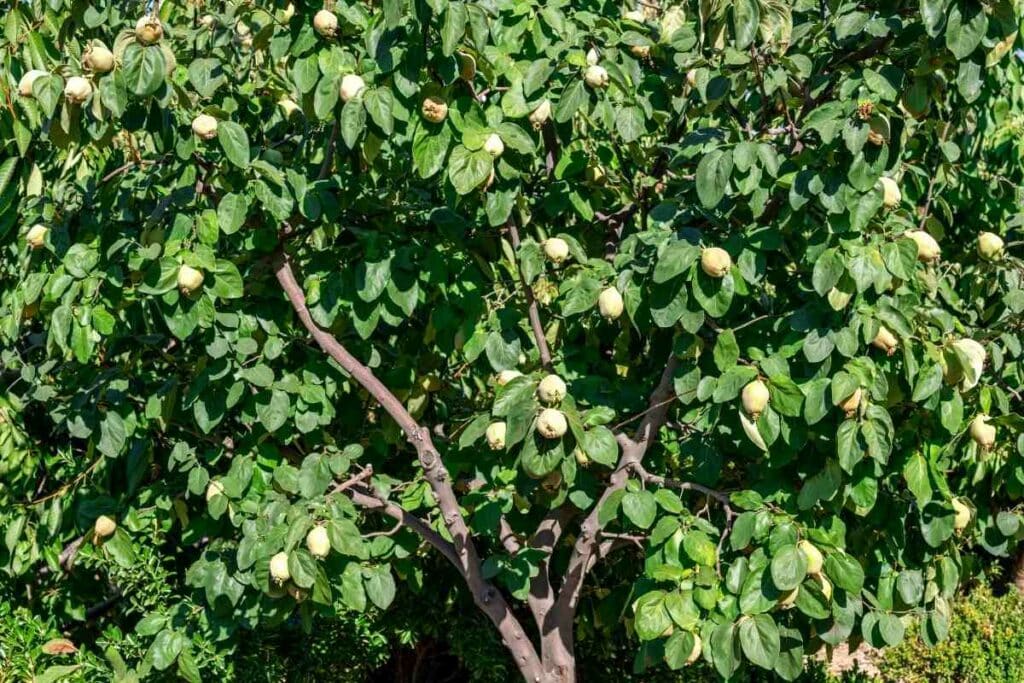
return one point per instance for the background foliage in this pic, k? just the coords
(761, 127)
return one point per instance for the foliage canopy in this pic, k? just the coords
(306, 271)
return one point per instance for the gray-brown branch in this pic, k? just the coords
(486, 596)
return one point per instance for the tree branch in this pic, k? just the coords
(486, 596)
(367, 498)
(589, 548)
(722, 498)
(533, 310)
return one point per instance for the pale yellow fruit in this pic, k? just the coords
(640, 51)
(493, 145)
(288, 106)
(592, 57)
(990, 246)
(506, 376)
(214, 489)
(242, 30)
(540, 115)
(288, 13)
(755, 397)
(596, 76)
(279, 571)
(716, 262)
(77, 90)
(149, 30)
(556, 249)
(189, 279)
(104, 526)
(928, 249)
(551, 423)
(962, 515)
(434, 109)
(983, 433)
(351, 86)
(885, 340)
(25, 84)
(205, 127)
(98, 59)
(325, 23)
(850, 404)
(36, 236)
(317, 542)
(496, 435)
(815, 560)
(208, 21)
(695, 650)
(551, 389)
(788, 599)
(582, 459)
(691, 78)
(635, 15)
(610, 303)
(891, 195)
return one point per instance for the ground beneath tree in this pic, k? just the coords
(864, 659)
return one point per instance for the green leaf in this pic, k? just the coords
(380, 586)
(713, 173)
(468, 170)
(640, 508)
(353, 121)
(789, 567)
(759, 637)
(845, 571)
(235, 143)
(143, 68)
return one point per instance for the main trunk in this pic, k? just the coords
(558, 656)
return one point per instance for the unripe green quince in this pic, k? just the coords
(205, 127)
(755, 397)
(279, 571)
(556, 249)
(496, 435)
(551, 389)
(551, 423)
(104, 526)
(36, 236)
(325, 23)
(596, 76)
(990, 246)
(317, 542)
(983, 433)
(716, 262)
(494, 146)
(610, 303)
(351, 86)
(149, 30)
(189, 279)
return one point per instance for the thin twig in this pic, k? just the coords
(532, 309)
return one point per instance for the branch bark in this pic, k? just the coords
(486, 596)
(532, 309)
(557, 645)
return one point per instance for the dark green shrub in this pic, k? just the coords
(985, 645)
